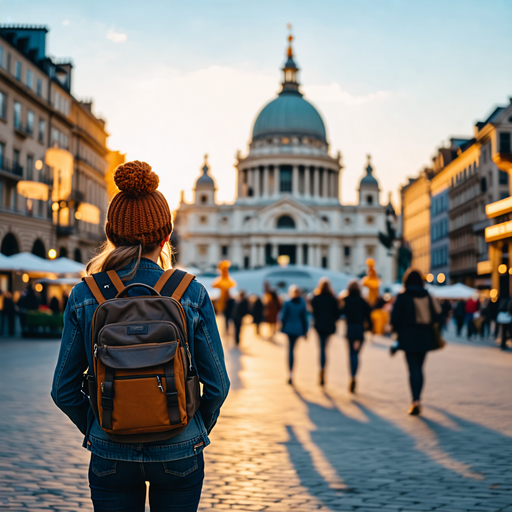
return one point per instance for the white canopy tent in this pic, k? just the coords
(453, 292)
(279, 278)
(30, 263)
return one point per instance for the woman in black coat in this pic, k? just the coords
(325, 315)
(357, 315)
(413, 316)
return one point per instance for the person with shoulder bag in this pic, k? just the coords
(415, 318)
(138, 339)
(294, 323)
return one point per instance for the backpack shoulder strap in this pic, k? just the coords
(104, 285)
(173, 283)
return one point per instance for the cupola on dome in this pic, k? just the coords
(205, 181)
(289, 114)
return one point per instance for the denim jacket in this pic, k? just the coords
(76, 356)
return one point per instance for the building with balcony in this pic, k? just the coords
(38, 111)
(287, 199)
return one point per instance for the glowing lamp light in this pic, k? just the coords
(502, 268)
(430, 278)
(55, 206)
(387, 296)
(88, 213)
(78, 215)
(52, 254)
(25, 278)
(510, 270)
(493, 293)
(32, 190)
(39, 165)
(441, 278)
(283, 260)
(39, 287)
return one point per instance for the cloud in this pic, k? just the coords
(116, 37)
(65, 22)
(333, 93)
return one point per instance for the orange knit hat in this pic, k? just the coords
(138, 213)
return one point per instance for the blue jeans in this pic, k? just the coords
(121, 485)
(291, 346)
(324, 338)
(415, 362)
(354, 356)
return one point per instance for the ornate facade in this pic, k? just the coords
(287, 199)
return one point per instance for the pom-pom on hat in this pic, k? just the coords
(138, 213)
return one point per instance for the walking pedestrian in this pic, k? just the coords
(504, 319)
(8, 313)
(257, 313)
(326, 313)
(138, 227)
(413, 317)
(240, 310)
(27, 302)
(470, 310)
(272, 307)
(357, 313)
(445, 314)
(459, 314)
(294, 323)
(54, 305)
(228, 311)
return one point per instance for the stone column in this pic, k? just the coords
(295, 180)
(325, 183)
(240, 183)
(250, 180)
(261, 254)
(337, 185)
(237, 254)
(298, 252)
(277, 179)
(253, 262)
(334, 256)
(316, 182)
(311, 255)
(307, 182)
(256, 178)
(274, 251)
(265, 181)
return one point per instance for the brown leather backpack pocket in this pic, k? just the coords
(137, 356)
(139, 403)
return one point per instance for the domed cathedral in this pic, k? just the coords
(287, 199)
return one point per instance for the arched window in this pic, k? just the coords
(204, 199)
(78, 255)
(9, 245)
(285, 222)
(63, 253)
(369, 199)
(38, 249)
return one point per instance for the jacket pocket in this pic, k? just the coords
(103, 467)
(181, 467)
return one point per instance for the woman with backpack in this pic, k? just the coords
(294, 323)
(357, 313)
(166, 451)
(325, 315)
(413, 317)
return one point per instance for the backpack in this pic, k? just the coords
(144, 386)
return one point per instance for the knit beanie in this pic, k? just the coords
(138, 213)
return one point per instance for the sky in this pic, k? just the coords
(175, 80)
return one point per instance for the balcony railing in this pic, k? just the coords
(24, 129)
(11, 167)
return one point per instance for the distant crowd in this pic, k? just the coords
(415, 316)
(27, 301)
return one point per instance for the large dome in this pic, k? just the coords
(289, 114)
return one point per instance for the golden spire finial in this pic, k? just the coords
(290, 39)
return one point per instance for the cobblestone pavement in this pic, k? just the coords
(278, 447)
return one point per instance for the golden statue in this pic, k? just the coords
(224, 283)
(371, 281)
